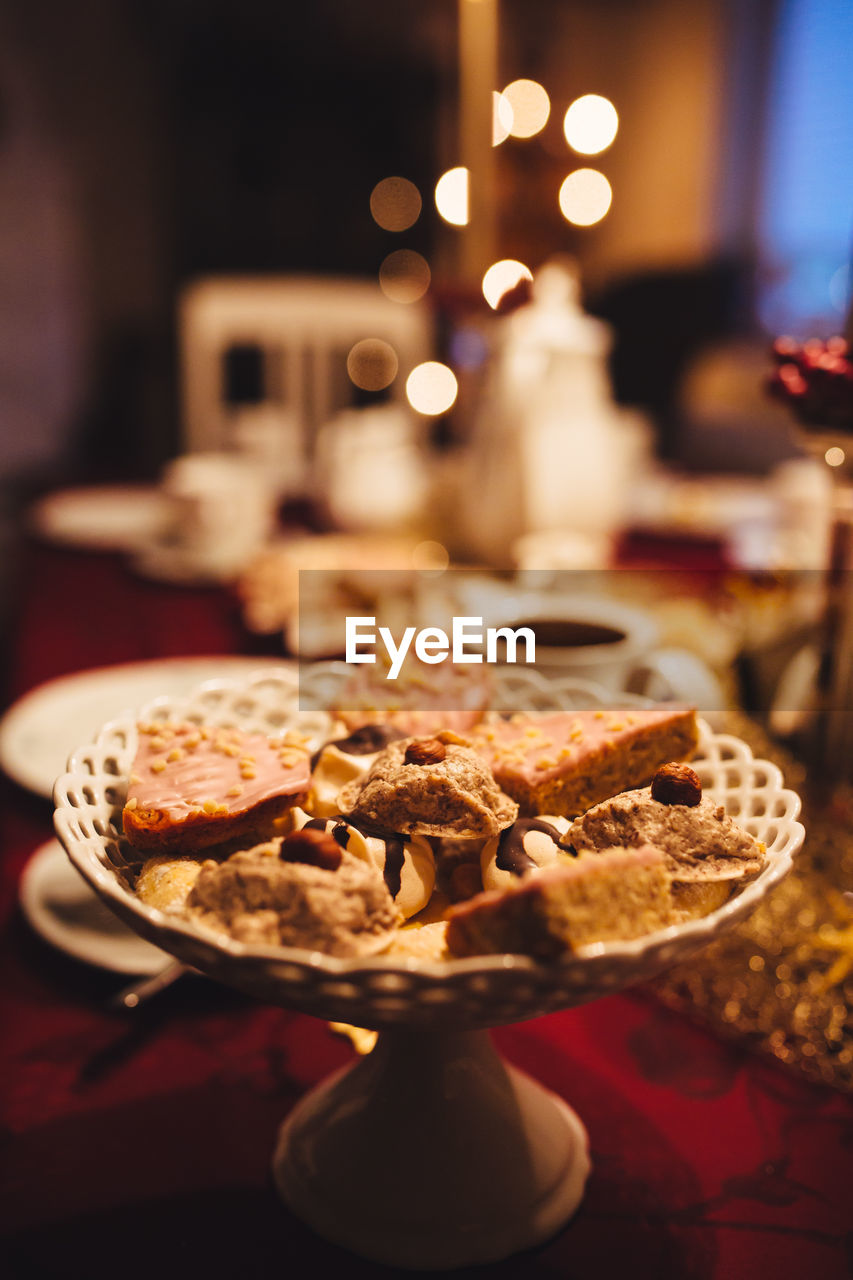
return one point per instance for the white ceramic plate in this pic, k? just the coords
(63, 910)
(164, 561)
(40, 730)
(102, 517)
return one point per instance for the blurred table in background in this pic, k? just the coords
(140, 1141)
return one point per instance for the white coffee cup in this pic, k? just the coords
(613, 645)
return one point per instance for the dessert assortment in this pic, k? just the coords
(536, 834)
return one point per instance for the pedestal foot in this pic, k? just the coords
(431, 1153)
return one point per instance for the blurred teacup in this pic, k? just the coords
(612, 645)
(223, 510)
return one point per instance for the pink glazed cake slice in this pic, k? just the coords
(192, 787)
(566, 762)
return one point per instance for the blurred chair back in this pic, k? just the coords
(299, 331)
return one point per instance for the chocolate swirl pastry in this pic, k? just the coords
(527, 846)
(365, 741)
(511, 854)
(343, 760)
(407, 864)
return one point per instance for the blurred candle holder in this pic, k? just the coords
(815, 379)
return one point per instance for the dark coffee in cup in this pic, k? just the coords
(567, 633)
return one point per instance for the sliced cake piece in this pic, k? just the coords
(566, 762)
(623, 893)
(193, 786)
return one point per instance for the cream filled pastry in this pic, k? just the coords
(408, 869)
(405, 862)
(342, 832)
(429, 786)
(344, 760)
(299, 890)
(527, 846)
(194, 786)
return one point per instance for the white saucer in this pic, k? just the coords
(39, 732)
(164, 561)
(102, 517)
(63, 910)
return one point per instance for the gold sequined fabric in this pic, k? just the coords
(783, 979)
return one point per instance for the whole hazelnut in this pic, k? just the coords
(313, 848)
(425, 751)
(676, 784)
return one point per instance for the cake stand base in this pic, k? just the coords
(432, 1153)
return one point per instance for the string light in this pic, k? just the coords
(501, 277)
(590, 124)
(585, 197)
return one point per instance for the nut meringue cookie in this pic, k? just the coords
(261, 896)
(529, 845)
(700, 842)
(342, 760)
(414, 788)
(406, 862)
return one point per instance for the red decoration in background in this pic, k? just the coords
(815, 379)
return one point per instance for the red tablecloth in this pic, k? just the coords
(138, 1145)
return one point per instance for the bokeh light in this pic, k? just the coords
(590, 124)
(372, 364)
(501, 119)
(835, 457)
(431, 388)
(451, 196)
(502, 276)
(404, 276)
(430, 557)
(530, 106)
(585, 197)
(395, 204)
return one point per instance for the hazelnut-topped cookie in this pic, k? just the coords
(699, 840)
(429, 786)
(300, 890)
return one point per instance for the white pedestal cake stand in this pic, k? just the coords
(431, 1152)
